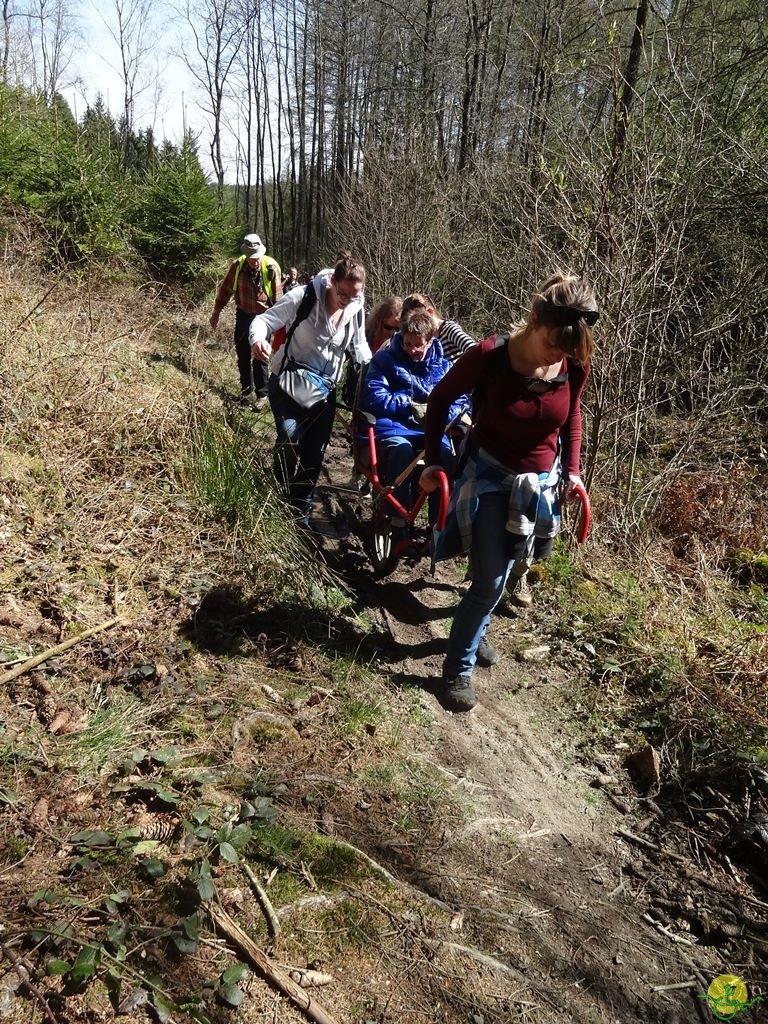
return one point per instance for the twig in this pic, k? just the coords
(666, 930)
(651, 846)
(482, 958)
(269, 911)
(389, 877)
(38, 659)
(266, 968)
(702, 1012)
(346, 424)
(412, 465)
(619, 888)
(319, 900)
(732, 869)
(672, 988)
(407, 471)
(691, 872)
(23, 974)
(36, 306)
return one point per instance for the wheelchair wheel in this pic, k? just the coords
(381, 547)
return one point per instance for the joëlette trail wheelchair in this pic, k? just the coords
(386, 542)
(385, 547)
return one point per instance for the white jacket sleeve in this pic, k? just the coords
(282, 313)
(358, 347)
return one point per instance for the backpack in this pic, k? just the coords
(283, 335)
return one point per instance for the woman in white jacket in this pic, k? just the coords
(323, 321)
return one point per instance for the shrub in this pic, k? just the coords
(43, 166)
(175, 220)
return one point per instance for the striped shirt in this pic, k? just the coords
(454, 340)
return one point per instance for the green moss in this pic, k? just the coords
(332, 863)
(285, 888)
(13, 849)
(350, 924)
(750, 567)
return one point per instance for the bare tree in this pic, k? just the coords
(6, 40)
(217, 29)
(52, 28)
(134, 29)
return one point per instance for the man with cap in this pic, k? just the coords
(255, 281)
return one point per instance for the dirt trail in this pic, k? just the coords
(546, 884)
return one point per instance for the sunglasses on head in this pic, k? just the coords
(568, 316)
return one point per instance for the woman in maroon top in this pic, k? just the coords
(525, 441)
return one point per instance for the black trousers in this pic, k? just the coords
(253, 374)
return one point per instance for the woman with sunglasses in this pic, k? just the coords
(382, 322)
(525, 440)
(324, 320)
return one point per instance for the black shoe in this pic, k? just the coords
(486, 654)
(458, 693)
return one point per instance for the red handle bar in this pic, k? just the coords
(586, 511)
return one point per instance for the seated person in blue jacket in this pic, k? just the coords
(397, 385)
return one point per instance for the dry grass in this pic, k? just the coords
(676, 653)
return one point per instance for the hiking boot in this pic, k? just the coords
(249, 399)
(458, 693)
(486, 654)
(519, 592)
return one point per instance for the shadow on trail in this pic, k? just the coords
(400, 599)
(431, 684)
(228, 622)
(416, 651)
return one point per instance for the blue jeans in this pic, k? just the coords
(395, 454)
(302, 437)
(494, 549)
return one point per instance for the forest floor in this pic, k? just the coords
(476, 868)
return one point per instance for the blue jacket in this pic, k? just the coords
(394, 381)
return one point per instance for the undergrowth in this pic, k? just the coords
(669, 654)
(227, 718)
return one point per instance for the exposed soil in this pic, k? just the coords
(592, 922)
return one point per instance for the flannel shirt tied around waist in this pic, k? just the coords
(534, 505)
